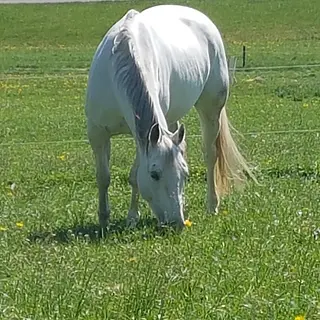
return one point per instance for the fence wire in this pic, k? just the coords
(80, 74)
(85, 141)
(83, 72)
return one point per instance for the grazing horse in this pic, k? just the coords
(149, 70)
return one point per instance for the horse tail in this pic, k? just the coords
(231, 167)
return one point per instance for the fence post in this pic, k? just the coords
(243, 56)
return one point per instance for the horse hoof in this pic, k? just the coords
(103, 222)
(133, 219)
(213, 210)
(131, 224)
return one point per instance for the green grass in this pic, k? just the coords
(258, 259)
(50, 37)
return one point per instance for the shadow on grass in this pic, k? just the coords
(117, 232)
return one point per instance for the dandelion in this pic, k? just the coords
(3, 228)
(305, 105)
(19, 224)
(132, 259)
(300, 317)
(63, 157)
(188, 223)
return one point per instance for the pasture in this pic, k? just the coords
(257, 259)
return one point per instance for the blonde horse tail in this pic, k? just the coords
(231, 167)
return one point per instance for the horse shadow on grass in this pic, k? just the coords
(117, 232)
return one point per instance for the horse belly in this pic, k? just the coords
(182, 99)
(186, 86)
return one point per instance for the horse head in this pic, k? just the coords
(162, 174)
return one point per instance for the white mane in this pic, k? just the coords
(130, 81)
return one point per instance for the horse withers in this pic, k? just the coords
(149, 70)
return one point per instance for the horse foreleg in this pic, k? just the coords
(133, 214)
(103, 179)
(100, 143)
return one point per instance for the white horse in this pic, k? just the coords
(147, 73)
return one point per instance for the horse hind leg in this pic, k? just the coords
(226, 167)
(209, 108)
(100, 143)
(210, 128)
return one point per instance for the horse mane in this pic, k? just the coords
(130, 81)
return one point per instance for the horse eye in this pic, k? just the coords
(155, 175)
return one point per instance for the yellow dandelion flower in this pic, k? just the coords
(305, 105)
(188, 223)
(300, 317)
(19, 224)
(63, 157)
(132, 259)
(3, 228)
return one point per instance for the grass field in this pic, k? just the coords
(257, 259)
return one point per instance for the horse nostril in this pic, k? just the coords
(155, 175)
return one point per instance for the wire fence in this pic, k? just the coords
(126, 138)
(83, 72)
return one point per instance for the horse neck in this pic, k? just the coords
(150, 111)
(135, 75)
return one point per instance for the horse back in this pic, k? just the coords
(187, 52)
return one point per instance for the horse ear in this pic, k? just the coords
(154, 134)
(179, 135)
